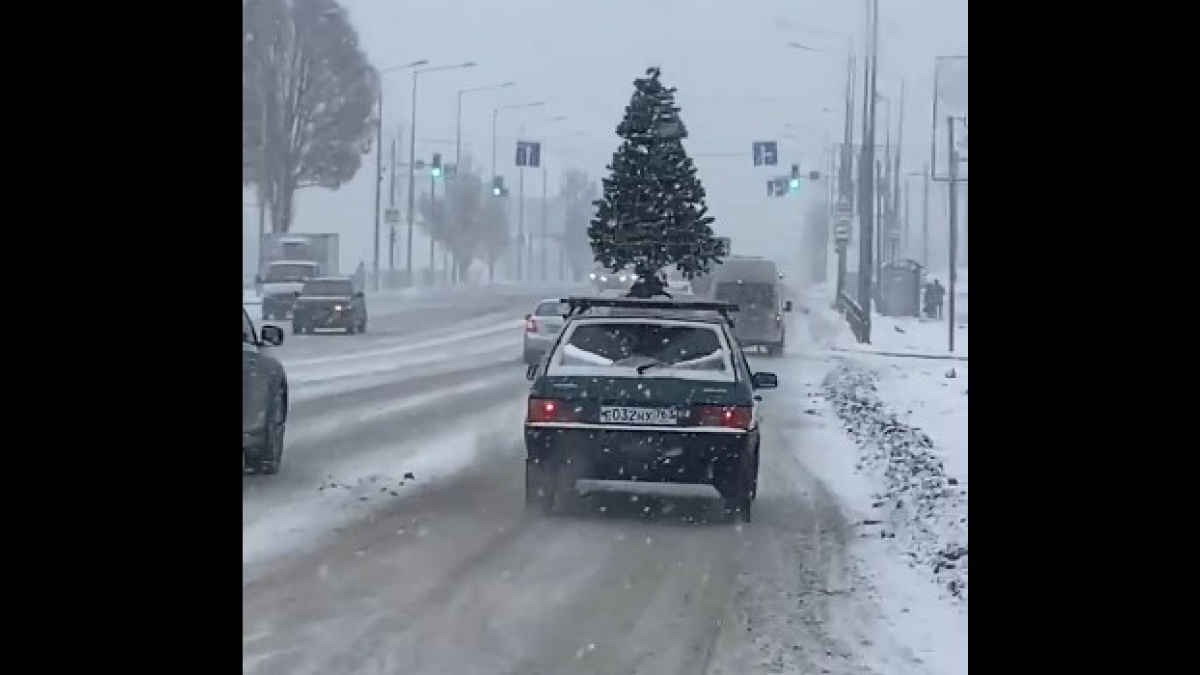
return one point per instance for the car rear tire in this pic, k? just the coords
(738, 490)
(268, 457)
(539, 488)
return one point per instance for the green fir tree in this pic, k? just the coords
(652, 214)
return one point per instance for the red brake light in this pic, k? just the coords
(548, 410)
(732, 417)
(530, 324)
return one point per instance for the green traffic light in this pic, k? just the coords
(436, 172)
(496, 192)
(794, 184)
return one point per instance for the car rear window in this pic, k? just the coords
(747, 296)
(551, 309)
(618, 347)
(330, 288)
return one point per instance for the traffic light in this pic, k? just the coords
(436, 169)
(498, 186)
(794, 181)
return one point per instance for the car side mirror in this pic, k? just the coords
(272, 335)
(787, 306)
(765, 380)
(531, 372)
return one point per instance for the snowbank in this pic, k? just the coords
(920, 505)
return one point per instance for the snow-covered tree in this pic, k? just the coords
(652, 213)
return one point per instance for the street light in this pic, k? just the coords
(412, 160)
(496, 113)
(458, 114)
(379, 157)
(545, 206)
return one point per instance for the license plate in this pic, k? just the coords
(623, 415)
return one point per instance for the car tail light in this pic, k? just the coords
(530, 324)
(732, 417)
(549, 410)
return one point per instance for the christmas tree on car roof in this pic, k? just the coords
(652, 213)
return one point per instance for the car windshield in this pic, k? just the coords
(622, 345)
(290, 272)
(329, 288)
(747, 296)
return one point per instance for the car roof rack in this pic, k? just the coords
(577, 305)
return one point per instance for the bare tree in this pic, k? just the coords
(577, 193)
(496, 236)
(308, 100)
(455, 220)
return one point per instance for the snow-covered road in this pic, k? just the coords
(396, 540)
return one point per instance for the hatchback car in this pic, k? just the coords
(645, 390)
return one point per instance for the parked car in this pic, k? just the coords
(264, 398)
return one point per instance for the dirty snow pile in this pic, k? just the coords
(921, 508)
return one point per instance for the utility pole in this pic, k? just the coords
(545, 221)
(925, 220)
(520, 224)
(907, 245)
(953, 185)
(392, 225)
(880, 217)
(896, 178)
(432, 206)
(412, 184)
(867, 171)
(378, 182)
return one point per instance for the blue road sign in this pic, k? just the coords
(529, 153)
(766, 153)
(777, 187)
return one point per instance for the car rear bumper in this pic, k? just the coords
(637, 454)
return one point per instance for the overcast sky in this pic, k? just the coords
(738, 82)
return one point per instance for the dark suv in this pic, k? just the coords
(644, 390)
(330, 302)
(264, 399)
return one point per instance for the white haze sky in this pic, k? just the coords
(738, 82)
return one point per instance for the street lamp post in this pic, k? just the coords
(866, 250)
(545, 206)
(379, 158)
(458, 115)
(412, 162)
